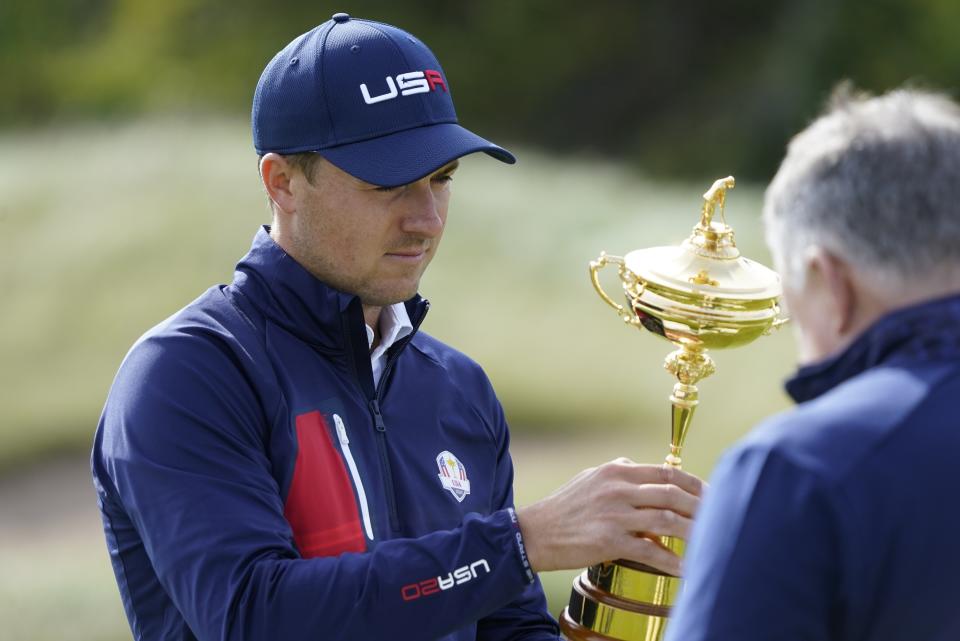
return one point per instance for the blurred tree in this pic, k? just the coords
(688, 89)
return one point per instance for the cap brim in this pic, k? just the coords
(407, 156)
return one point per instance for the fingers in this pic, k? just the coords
(643, 550)
(662, 474)
(666, 497)
(649, 521)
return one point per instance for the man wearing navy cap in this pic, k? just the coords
(288, 457)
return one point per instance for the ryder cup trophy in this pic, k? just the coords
(700, 295)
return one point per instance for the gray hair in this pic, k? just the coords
(875, 180)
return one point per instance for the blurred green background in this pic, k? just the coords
(128, 185)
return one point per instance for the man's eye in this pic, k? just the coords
(386, 189)
(445, 178)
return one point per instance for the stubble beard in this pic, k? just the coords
(378, 293)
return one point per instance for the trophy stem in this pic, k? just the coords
(689, 364)
(684, 400)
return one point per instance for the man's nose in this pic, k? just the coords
(422, 214)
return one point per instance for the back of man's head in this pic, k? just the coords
(875, 180)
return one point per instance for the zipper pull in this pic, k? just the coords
(377, 416)
(341, 430)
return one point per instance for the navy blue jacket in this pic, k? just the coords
(839, 520)
(254, 484)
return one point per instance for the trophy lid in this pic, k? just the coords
(708, 263)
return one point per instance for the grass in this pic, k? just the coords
(106, 231)
(60, 593)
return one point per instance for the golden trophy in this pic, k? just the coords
(699, 295)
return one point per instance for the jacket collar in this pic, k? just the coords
(924, 332)
(290, 296)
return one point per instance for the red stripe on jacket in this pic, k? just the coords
(320, 505)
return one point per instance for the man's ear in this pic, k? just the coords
(840, 292)
(276, 174)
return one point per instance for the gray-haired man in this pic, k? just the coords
(837, 520)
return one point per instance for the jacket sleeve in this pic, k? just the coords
(183, 443)
(763, 561)
(526, 617)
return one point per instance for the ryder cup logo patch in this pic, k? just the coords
(453, 475)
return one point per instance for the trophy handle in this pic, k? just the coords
(627, 276)
(779, 321)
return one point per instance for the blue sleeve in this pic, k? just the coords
(181, 454)
(763, 557)
(525, 618)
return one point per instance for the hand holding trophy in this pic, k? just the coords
(699, 295)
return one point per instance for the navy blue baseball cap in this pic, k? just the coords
(370, 98)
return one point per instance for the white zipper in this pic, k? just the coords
(345, 446)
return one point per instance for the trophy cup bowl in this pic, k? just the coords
(699, 295)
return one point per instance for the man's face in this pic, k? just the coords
(371, 241)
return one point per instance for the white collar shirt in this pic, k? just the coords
(394, 325)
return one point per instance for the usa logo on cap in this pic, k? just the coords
(453, 475)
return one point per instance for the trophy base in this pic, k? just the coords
(619, 601)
